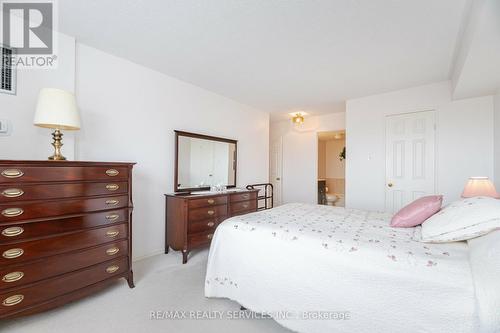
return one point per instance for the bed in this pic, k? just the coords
(329, 269)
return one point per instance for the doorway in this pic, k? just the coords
(410, 158)
(331, 168)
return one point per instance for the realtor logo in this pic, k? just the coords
(28, 26)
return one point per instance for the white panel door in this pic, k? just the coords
(276, 170)
(410, 158)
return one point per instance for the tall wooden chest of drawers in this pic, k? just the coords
(191, 219)
(65, 232)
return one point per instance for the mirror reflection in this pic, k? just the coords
(203, 163)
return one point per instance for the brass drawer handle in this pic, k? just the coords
(12, 193)
(112, 269)
(13, 300)
(210, 224)
(112, 251)
(211, 212)
(12, 231)
(112, 187)
(12, 212)
(245, 206)
(112, 233)
(112, 202)
(13, 253)
(12, 173)
(112, 217)
(210, 236)
(112, 172)
(211, 201)
(246, 196)
(12, 277)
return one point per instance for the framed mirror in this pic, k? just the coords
(202, 161)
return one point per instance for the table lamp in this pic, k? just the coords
(480, 187)
(57, 109)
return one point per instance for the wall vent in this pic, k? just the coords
(7, 71)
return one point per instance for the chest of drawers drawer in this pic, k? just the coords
(19, 298)
(207, 213)
(207, 202)
(205, 225)
(26, 192)
(30, 250)
(22, 231)
(243, 206)
(236, 197)
(200, 239)
(39, 209)
(16, 275)
(21, 173)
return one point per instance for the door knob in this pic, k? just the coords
(390, 184)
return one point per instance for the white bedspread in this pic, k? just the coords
(298, 261)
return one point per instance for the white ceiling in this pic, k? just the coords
(278, 56)
(479, 73)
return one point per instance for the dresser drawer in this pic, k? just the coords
(16, 275)
(200, 239)
(21, 174)
(205, 225)
(21, 298)
(42, 209)
(207, 213)
(207, 202)
(243, 196)
(24, 231)
(30, 250)
(23, 192)
(243, 206)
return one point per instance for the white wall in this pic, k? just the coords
(497, 140)
(464, 141)
(300, 154)
(129, 113)
(27, 141)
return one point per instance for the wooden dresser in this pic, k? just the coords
(65, 232)
(191, 219)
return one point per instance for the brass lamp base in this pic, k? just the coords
(57, 136)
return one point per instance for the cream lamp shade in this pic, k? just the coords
(480, 187)
(57, 109)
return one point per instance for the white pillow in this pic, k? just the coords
(462, 220)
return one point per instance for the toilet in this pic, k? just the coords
(330, 199)
(335, 200)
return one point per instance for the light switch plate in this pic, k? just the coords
(5, 127)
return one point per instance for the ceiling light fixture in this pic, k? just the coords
(298, 119)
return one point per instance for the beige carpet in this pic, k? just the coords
(162, 284)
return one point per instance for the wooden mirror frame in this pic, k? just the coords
(204, 137)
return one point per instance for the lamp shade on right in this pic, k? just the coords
(480, 187)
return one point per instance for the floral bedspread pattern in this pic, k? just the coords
(302, 258)
(352, 231)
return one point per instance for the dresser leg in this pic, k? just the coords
(130, 279)
(166, 248)
(184, 256)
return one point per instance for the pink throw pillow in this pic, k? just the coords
(417, 212)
